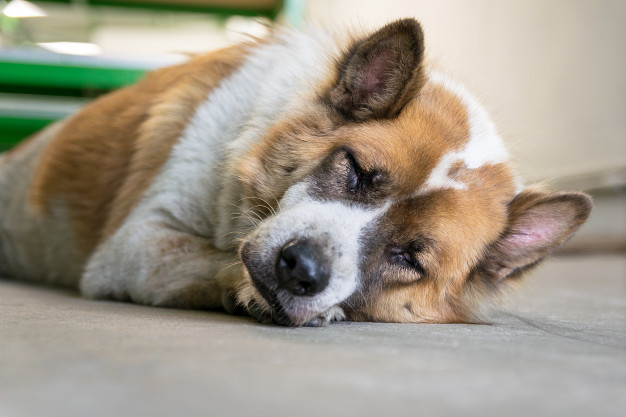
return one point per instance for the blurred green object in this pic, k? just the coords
(15, 128)
(265, 8)
(55, 79)
(36, 85)
(66, 76)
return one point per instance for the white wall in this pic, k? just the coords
(552, 73)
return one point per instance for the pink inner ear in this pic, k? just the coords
(536, 231)
(377, 70)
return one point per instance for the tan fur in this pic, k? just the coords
(405, 147)
(443, 217)
(423, 252)
(105, 157)
(401, 145)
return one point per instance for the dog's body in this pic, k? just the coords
(302, 177)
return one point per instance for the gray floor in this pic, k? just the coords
(560, 350)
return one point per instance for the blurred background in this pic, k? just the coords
(552, 74)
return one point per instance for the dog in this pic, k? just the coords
(303, 178)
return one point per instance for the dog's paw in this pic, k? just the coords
(332, 314)
(231, 304)
(261, 313)
(267, 315)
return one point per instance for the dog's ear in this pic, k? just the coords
(379, 74)
(538, 223)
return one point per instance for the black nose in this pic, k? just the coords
(301, 268)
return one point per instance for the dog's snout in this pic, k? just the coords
(302, 269)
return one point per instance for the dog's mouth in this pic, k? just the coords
(276, 315)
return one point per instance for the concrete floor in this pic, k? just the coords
(560, 350)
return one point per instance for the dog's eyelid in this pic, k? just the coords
(355, 173)
(352, 158)
(408, 258)
(366, 177)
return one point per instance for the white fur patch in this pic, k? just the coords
(484, 146)
(236, 115)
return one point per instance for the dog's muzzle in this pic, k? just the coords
(301, 268)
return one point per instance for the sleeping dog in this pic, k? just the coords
(303, 178)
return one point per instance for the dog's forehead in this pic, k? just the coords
(443, 139)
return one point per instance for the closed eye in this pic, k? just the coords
(358, 178)
(355, 173)
(406, 259)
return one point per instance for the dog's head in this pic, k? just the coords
(396, 200)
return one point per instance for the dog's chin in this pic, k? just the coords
(271, 311)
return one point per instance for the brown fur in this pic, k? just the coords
(376, 110)
(459, 226)
(404, 150)
(106, 156)
(401, 146)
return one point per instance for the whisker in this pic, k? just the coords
(255, 213)
(234, 232)
(230, 265)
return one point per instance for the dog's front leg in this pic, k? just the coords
(152, 264)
